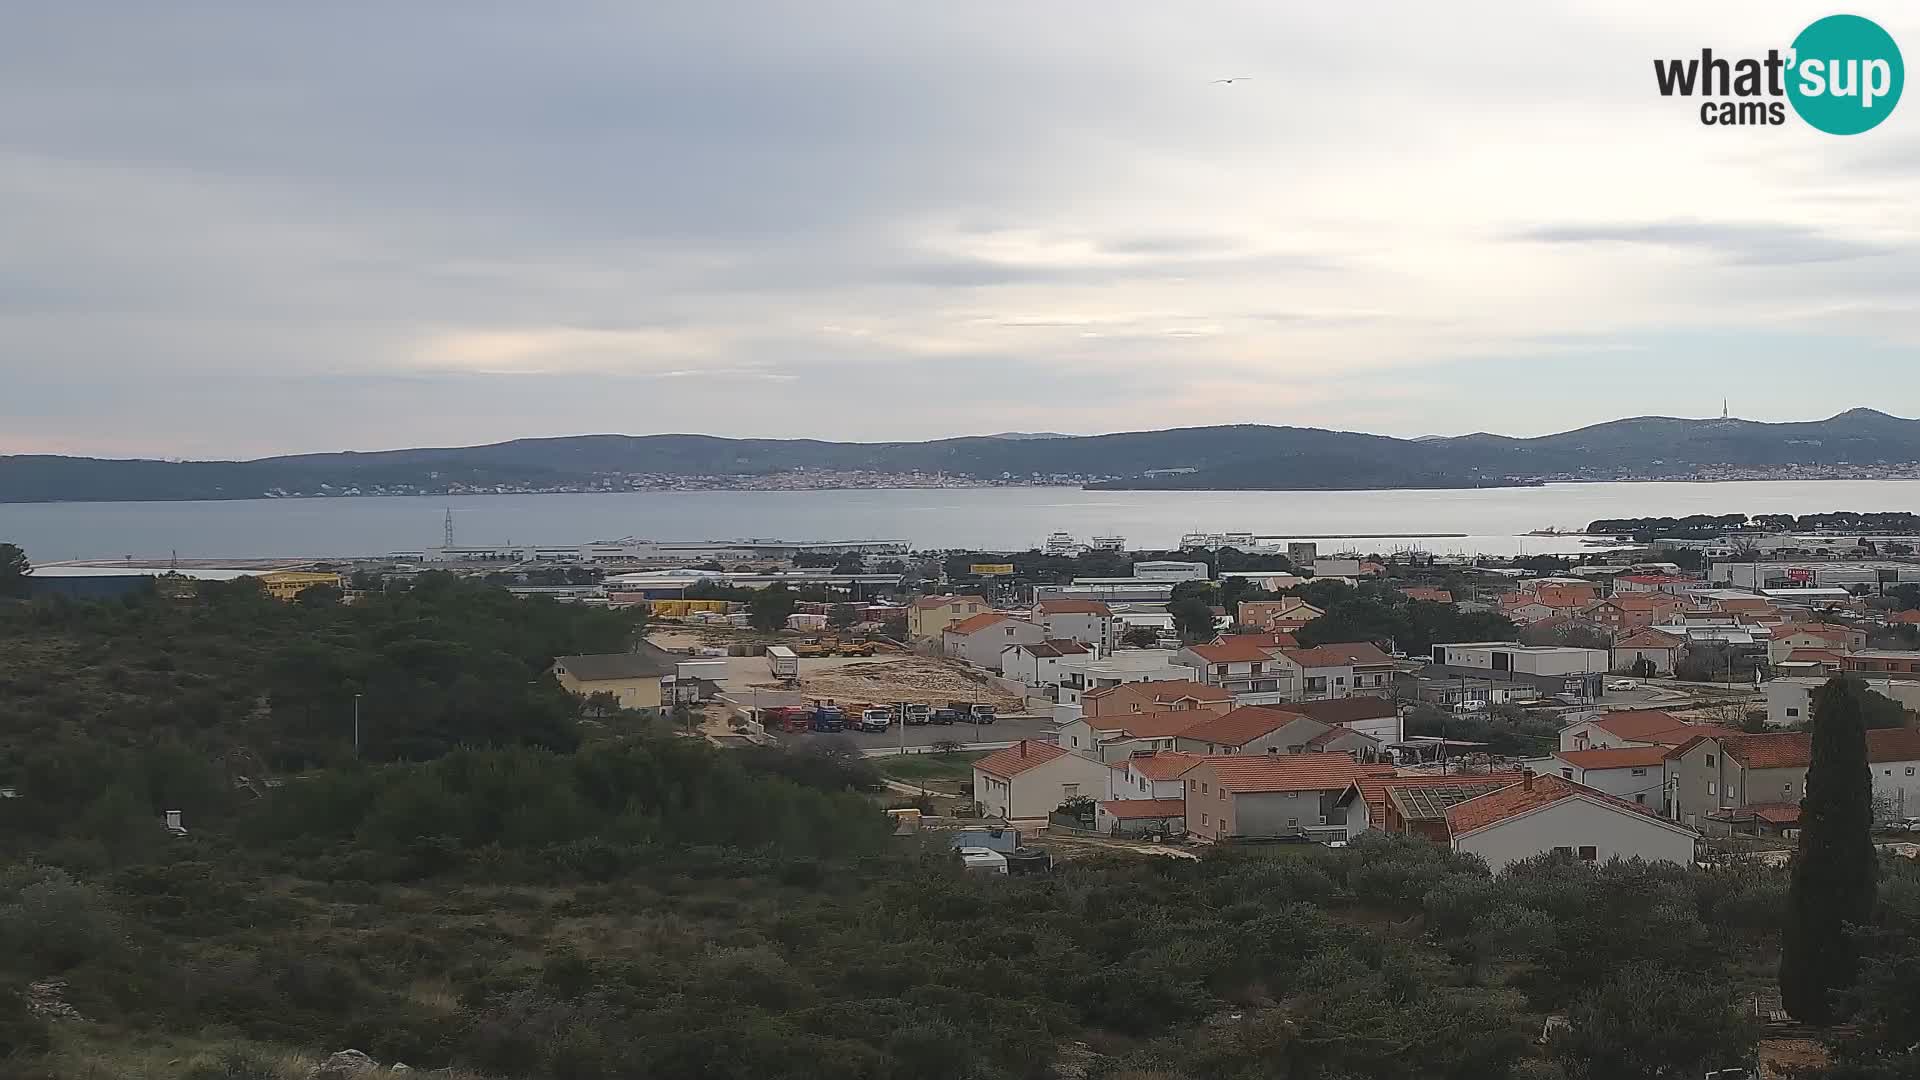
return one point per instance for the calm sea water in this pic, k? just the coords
(1491, 519)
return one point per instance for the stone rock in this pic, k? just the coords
(342, 1065)
(399, 1066)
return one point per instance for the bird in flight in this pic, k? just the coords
(1235, 79)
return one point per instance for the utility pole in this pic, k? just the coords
(356, 725)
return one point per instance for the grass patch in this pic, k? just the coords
(929, 768)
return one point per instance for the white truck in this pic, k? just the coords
(782, 662)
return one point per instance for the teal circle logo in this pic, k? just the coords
(1847, 75)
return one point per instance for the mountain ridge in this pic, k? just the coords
(1223, 457)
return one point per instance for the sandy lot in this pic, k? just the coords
(907, 678)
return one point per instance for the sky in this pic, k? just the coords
(236, 229)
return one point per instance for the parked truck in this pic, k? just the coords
(875, 720)
(829, 718)
(782, 662)
(970, 712)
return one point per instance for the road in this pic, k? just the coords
(971, 736)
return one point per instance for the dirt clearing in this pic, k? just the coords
(909, 678)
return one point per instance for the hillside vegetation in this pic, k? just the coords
(510, 890)
(1230, 457)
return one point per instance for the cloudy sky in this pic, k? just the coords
(238, 228)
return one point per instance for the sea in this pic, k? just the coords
(1494, 521)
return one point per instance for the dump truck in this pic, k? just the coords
(782, 662)
(971, 712)
(829, 718)
(875, 720)
(855, 648)
(811, 648)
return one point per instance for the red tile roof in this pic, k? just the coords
(1150, 725)
(1643, 601)
(1018, 758)
(1346, 710)
(1648, 638)
(1420, 592)
(1232, 650)
(1516, 799)
(1333, 734)
(1135, 809)
(1073, 607)
(977, 623)
(1794, 749)
(1815, 656)
(1905, 616)
(1055, 648)
(1162, 691)
(1374, 788)
(1824, 630)
(1292, 772)
(1264, 641)
(1341, 654)
(1239, 727)
(1651, 726)
(1770, 750)
(1625, 757)
(1775, 813)
(1893, 744)
(1165, 765)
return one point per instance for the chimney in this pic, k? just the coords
(1526, 779)
(1023, 748)
(173, 823)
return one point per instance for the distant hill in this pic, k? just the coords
(1237, 457)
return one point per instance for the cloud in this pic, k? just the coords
(1759, 244)
(234, 230)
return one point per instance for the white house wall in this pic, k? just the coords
(1575, 823)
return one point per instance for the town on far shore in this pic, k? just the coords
(1648, 698)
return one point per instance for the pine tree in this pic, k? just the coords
(1834, 870)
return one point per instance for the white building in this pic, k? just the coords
(1149, 776)
(1030, 779)
(1338, 670)
(1169, 570)
(1790, 700)
(1522, 659)
(1088, 622)
(1633, 773)
(1046, 663)
(1549, 813)
(1893, 756)
(980, 640)
(1121, 666)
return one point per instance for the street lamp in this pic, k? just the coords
(356, 725)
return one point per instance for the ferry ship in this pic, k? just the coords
(1239, 541)
(1062, 544)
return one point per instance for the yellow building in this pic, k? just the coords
(635, 679)
(287, 584)
(930, 616)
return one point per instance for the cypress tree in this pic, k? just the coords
(1834, 870)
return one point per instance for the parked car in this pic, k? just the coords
(1470, 706)
(875, 720)
(1622, 684)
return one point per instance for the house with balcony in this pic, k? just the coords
(1240, 667)
(1339, 670)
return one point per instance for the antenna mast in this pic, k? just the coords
(449, 528)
